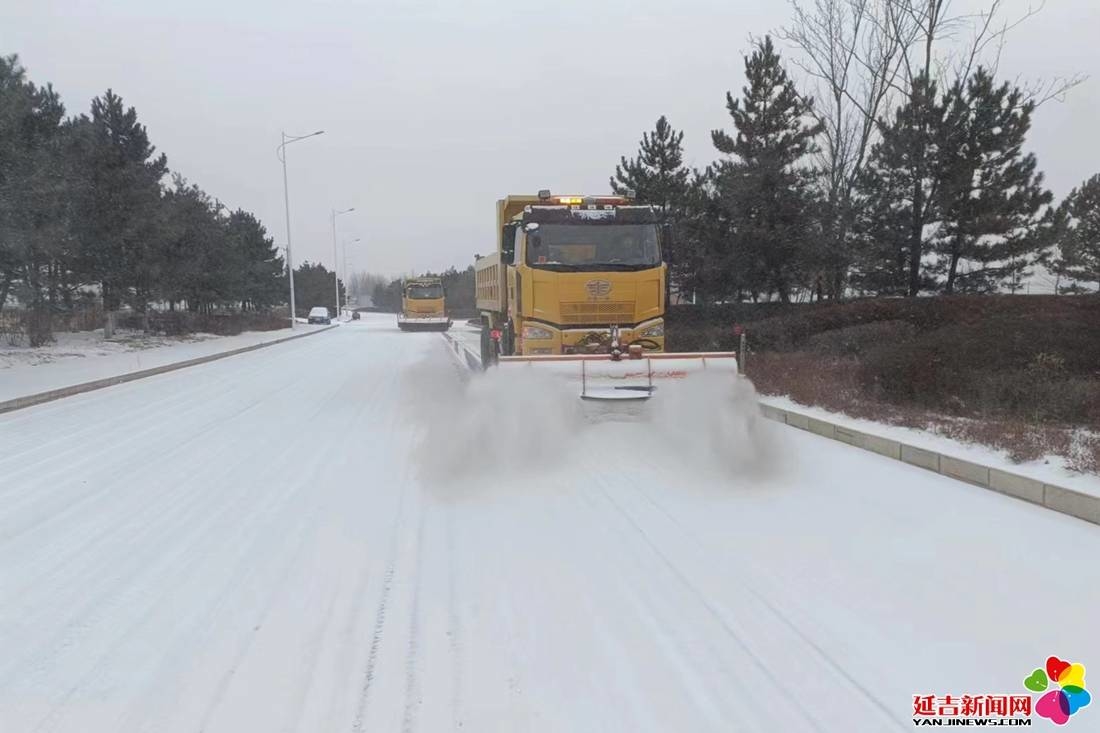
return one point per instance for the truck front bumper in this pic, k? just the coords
(430, 322)
(590, 340)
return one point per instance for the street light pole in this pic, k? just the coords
(346, 269)
(287, 140)
(335, 257)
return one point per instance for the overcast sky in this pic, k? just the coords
(433, 110)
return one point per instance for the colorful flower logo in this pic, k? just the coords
(1058, 705)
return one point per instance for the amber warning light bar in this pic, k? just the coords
(546, 197)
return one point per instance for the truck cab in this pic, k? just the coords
(572, 275)
(423, 305)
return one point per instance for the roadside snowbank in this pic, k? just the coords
(84, 357)
(1051, 469)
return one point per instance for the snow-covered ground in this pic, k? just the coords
(335, 534)
(84, 357)
(1052, 469)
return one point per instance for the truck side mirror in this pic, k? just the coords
(508, 241)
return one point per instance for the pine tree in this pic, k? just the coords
(705, 271)
(260, 282)
(991, 195)
(81, 203)
(120, 202)
(32, 186)
(193, 264)
(765, 191)
(459, 287)
(898, 195)
(658, 176)
(1076, 236)
(387, 296)
(879, 241)
(313, 287)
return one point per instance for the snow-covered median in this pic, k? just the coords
(76, 358)
(1051, 469)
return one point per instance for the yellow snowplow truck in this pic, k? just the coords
(423, 305)
(576, 287)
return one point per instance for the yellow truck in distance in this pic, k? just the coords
(572, 275)
(423, 305)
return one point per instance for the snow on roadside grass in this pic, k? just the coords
(84, 344)
(1052, 469)
(79, 360)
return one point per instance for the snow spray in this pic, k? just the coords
(713, 420)
(498, 422)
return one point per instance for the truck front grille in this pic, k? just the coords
(610, 312)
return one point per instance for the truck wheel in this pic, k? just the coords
(508, 340)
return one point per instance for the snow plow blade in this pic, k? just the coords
(599, 377)
(423, 324)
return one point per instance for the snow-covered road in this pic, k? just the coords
(262, 544)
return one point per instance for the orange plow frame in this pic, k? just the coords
(603, 377)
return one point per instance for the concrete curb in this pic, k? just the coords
(1058, 498)
(20, 403)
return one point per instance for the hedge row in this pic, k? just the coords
(1030, 356)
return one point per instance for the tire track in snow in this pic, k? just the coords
(140, 424)
(375, 643)
(181, 528)
(347, 636)
(745, 583)
(380, 614)
(761, 666)
(384, 602)
(413, 697)
(454, 617)
(667, 630)
(154, 600)
(313, 653)
(87, 438)
(119, 588)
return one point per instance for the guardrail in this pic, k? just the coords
(1051, 496)
(472, 360)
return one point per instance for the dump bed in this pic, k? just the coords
(489, 283)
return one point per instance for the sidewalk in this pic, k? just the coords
(80, 358)
(1050, 469)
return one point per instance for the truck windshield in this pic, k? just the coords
(593, 247)
(424, 292)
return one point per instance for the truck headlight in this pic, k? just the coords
(535, 333)
(657, 330)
